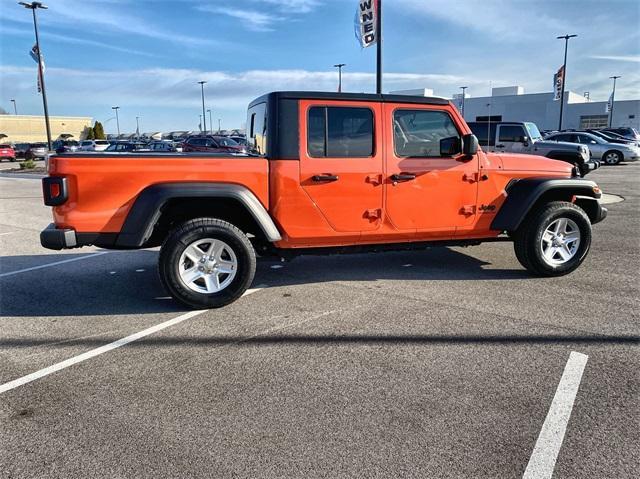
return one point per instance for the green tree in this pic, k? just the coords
(98, 131)
(89, 133)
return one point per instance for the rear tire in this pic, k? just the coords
(206, 263)
(554, 240)
(612, 157)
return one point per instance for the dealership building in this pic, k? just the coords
(31, 128)
(512, 104)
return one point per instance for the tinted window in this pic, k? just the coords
(340, 132)
(486, 136)
(418, 132)
(226, 142)
(512, 133)
(257, 129)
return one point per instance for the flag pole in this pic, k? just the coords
(379, 47)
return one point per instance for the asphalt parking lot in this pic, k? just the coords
(451, 362)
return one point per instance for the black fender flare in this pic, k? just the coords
(523, 194)
(147, 209)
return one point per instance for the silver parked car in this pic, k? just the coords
(609, 153)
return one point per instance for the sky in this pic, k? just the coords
(146, 56)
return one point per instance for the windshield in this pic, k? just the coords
(226, 141)
(534, 133)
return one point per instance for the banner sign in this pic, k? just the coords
(609, 104)
(558, 83)
(34, 54)
(365, 24)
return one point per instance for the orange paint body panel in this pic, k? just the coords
(102, 190)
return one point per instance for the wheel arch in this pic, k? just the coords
(158, 207)
(523, 196)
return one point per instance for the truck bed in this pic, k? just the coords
(103, 187)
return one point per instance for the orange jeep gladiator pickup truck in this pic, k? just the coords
(325, 173)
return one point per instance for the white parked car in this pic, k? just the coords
(93, 145)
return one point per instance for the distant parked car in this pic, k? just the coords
(7, 152)
(162, 146)
(609, 153)
(21, 149)
(212, 144)
(65, 146)
(126, 146)
(36, 151)
(627, 132)
(94, 145)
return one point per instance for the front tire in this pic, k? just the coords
(206, 263)
(612, 157)
(554, 240)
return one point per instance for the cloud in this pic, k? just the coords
(251, 19)
(618, 58)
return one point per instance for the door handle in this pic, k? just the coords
(403, 177)
(326, 177)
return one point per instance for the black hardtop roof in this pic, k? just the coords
(333, 96)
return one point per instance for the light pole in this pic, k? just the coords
(564, 74)
(138, 126)
(463, 88)
(204, 117)
(15, 108)
(200, 124)
(219, 127)
(339, 67)
(613, 98)
(33, 6)
(210, 121)
(116, 108)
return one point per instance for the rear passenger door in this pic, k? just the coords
(341, 162)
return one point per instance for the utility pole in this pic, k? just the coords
(339, 67)
(33, 6)
(204, 117)
(564, 74)
(15, 108)
(210, 121)
(116, 108)
(379, 47)
(613, 99)
(463, 88)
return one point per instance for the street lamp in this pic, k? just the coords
(204, 117)
(613, 97)
(33, 6)
(564, 73)
(210, 121)
(116, 108)
(219, 128)
(339, 67)
(15, 108)
(463, 88)
(138, 126)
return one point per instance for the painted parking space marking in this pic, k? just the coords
(545, 453)
(107, 347)
(55, 263)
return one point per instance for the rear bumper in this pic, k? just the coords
(53, 238)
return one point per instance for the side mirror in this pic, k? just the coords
(469, 145)
(450, 146)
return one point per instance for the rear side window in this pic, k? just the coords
(257, 129)
(340, 132)
(512, 134)
(417, 133)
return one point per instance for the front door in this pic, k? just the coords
(511, 138)
(341, 162)
(428, 190)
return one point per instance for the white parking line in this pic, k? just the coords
(106, 348)
(545, 453)
(55, 263)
